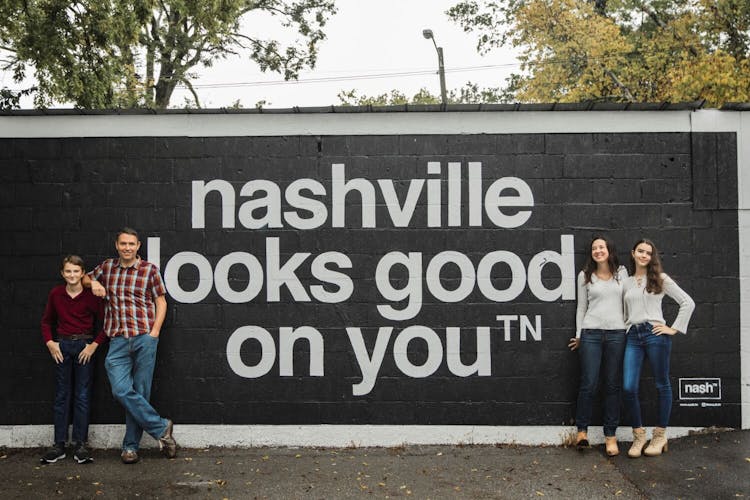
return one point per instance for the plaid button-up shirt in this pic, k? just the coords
(131, 292)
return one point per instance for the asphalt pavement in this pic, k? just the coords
(709, 465)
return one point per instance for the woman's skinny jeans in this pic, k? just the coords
(642, 342)
(600, 350)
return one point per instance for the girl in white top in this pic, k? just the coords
(649, 337)
(600, 338)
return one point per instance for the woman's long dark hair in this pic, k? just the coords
(654, 281)
(590, 266)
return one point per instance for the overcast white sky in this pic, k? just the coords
(365, 38)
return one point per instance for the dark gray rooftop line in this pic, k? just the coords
(405, 108)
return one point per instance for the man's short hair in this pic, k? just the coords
(72, 259)
(127, 230)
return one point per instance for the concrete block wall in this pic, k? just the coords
(62, 195)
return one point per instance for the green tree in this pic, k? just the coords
(470, 93)
(11, 99)
(618, 50)
(134, 53)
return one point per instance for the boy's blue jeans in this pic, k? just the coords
(130, 367)
(72, 381)
(600, 351)
(643, 343)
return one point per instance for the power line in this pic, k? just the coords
(371, 76)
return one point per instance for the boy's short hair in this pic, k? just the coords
(127, 230)
(72, 259)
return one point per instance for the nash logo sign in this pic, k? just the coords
(700, 388)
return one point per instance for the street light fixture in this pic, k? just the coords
(429, 35)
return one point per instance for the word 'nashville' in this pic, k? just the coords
(506, 202)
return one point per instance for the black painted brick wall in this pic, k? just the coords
(61, 196)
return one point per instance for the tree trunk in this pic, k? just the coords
(164, 90)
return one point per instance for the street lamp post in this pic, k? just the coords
(427, 33)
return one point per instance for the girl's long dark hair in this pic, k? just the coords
(590, 266)
(654, 281)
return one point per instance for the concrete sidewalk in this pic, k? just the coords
(701, 466)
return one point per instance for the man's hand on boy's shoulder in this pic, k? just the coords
(98, 289)
(86, 353)
(54, 350)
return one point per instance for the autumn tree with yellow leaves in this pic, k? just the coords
(618, 50)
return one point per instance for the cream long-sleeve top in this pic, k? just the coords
(644, 307)
(600, 303)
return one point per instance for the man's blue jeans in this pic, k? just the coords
(641, 342)
(130, 368)
(72, 380)
(600, 351)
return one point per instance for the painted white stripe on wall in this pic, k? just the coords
(337, 436)
(345, 124)
(743, 187)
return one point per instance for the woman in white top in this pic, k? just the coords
(649, 337)
(600, 338)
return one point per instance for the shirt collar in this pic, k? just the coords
(135, 265)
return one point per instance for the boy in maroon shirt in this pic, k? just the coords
(75, 315)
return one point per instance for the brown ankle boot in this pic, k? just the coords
(582, 440)
(639, 441)
(611, 446)
(658, 443)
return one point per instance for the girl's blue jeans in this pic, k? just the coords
(601, 352)
(643, 343)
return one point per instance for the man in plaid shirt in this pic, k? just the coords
(135, 311)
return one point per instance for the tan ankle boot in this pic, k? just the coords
(582, 440)
(611, 446)
(658, 443)
(639, 441)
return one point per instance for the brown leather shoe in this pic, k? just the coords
(167, 443)
(129, 456)
(610, 445)
(582, 440)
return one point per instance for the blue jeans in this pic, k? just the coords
(72, 380)
(600, 348)
(130, 368)
(643, 343)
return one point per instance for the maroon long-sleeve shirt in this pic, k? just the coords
(79, 315)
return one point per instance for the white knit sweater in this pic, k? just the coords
(600, 303)
(644, 307)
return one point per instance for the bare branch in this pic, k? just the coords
(189, 86)
(618, 82)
